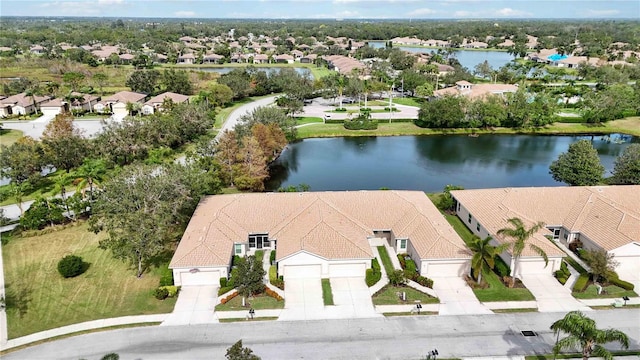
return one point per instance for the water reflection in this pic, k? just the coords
(428, 162)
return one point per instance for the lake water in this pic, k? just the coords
(268, 70)
(467, 58)
(428, 163)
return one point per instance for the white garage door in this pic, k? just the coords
(302, 271)
(118, 111)
(200, 278)
(533, 267)
(51, 111)
(437, 269)
(347, 270)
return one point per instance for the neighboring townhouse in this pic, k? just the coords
(594, 217)
(343, 64)
(317, 234)
(186, 59)
(308, 59)
(261, 59)
(155, 103)
(474, 91)
(212, 59)
(22, 104)
(284, 59)
(83, 102)
(54, 107)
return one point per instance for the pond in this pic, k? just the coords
(467, 58)
(428, 163)
(268, 70)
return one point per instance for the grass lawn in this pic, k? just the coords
(610, 291)
(8, 137)
(388, 296)
(45, 188)
(508, 311)
(408, 101)
(386, 260)
(327, 295)
(308, 120)
(497, 291)
(630, 125)
(260, 302)
(223, 113)
(38, 298)
(462, 230)
(266, 318)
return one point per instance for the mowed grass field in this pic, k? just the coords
(8, 137)
(38, 298)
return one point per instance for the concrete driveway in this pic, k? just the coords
(550, 295)
(302, 300)
(195, 305)
(456, 297)
(351, 299)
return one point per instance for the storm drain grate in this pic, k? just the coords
(528, 333)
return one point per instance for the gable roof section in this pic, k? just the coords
(175, 97)
(125, 97)
(332, 225)
(607, 215)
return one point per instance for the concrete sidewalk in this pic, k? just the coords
(89, 325)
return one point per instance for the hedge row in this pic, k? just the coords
(581, 283)
(358, 124)
(621, 283)
(228, 298)
(373, 275)
(273, 294)
(501, 268)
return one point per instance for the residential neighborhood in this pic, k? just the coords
(203, 186)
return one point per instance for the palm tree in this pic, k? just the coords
(520, 234)
(484, 255)
(584, 334)
(61, 183)
(90, 174)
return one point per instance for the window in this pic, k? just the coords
(469, 220)
(258, 241)
(237, 249)
(403, 243)
(556, 234)
(478, 226)
(458, 207)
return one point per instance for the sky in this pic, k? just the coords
(328, 9)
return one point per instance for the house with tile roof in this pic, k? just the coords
(598, 217)
(23, 104)
(317, 234)
(155, 103)
(117, 103)
(474, 91)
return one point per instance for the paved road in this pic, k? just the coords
(377, 338)
(234, 117)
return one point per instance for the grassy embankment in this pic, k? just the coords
(8, 137)
(38, 298)
(630, 125)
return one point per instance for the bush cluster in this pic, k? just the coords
(273, 294)
(501, 268)
(272, 258)
(166, 277)
(171, 289)
(161, 293)
(373, 275)
(361, 124)
(411, 271)
(71, 266)
(341, 110)
(563, 274)
(621, 283)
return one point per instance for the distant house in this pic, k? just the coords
(161, 58)
(308, 59)
(476, 45)
(155, 103)
(297, 54)
(284, 59)
(83, 102)
(343, 64)
(213, 59)
(261, 59)
(22, 104)
(37, 50)
(54, 107)
(117, 103)
(186, 59)
(126, 58)
(474, 91)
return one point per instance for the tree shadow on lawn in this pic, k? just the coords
(18, 297)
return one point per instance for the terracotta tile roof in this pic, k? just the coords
(608, 215)
(476, 90)
(23, 100)
(332, 225)
(54, 103)
(124, 97)
(176, 98)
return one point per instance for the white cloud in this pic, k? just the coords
(509, 12)
(608, 12)
(422, 12)
(72, 7)
(185, 13)
(463, 13)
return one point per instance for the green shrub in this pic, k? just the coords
(224, 290)
(363, 109)
(401, 259)
(375, 265)
(621, 283)
(223, 282)
(581, 283)
(161, 293)
(43, 212)
(564, 268)
(71, 266)
(397, 278)
(361, 124)
(501, 268)
(424, 281)
(410, 265)
(341, 110)
(171, 290)
(334, 121)
(272, 257)
(372, 277)
(166, 276)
